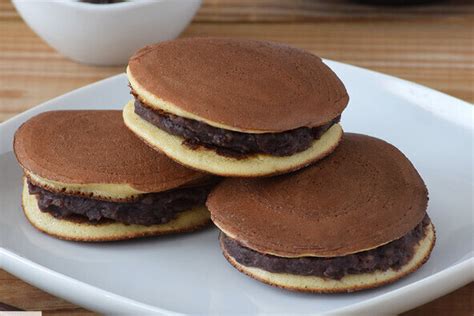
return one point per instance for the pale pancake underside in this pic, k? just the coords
(208, 160)
(191, 220)
(349, 283)
(106, 191)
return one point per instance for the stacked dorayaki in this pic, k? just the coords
(305, 207)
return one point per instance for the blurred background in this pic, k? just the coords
(431, 44)
(428, 42)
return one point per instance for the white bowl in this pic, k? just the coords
(106, 34)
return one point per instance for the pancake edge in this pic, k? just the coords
(208, 160)
(186, 221)
(347, 284)
(288, 255)
(117, 192)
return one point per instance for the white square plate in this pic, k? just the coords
(188, 274)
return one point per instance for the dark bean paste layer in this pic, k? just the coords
(393, 255)
(232, 143)
(149, 209)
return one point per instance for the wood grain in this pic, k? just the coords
(21, 295)
(317, 11)
(432, 45)
(221, 11)
(434, 52)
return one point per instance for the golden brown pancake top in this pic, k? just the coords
(85, 147)
(246, 84)
(367, 193)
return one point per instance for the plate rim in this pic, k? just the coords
(460, 103)
(15, 264)
(12, 263)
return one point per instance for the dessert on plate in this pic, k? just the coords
(235, 107)
(355, 220)
(88, 178)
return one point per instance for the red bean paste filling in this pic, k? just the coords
(232, 143)
(148, 209)
(393, 255)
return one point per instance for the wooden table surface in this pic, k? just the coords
(431, 44)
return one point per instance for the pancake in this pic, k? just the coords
(90, 153)
(238, 84)
(240, 99)
(365, 184)
(364, 197)
(85, 172)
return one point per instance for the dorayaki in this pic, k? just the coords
(235, 107)
(355, 220)
(88, 178)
